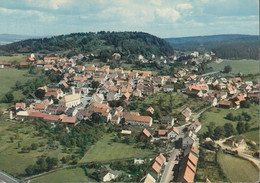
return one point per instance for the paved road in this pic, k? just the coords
(7, 178)
(167, 174)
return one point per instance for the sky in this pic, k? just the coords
(163, 18)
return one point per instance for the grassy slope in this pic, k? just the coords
(17, 58)
(244, 66)
(252, 135)
(237, 169)
(105, 150)
(11, 160)
(217, 115)
(67, 175)
(8, 79)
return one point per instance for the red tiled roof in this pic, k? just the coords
(20, 105)
(191, 166)
(146, 132)
(162, 132)
(145, 119)
(39, 107)
(193, 159)
(37, 115)
(67, 119)
(188, 175)
(51, 118)
(156, 167)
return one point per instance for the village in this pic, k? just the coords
(85, 92)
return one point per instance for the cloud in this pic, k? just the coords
(22, 14)
(49, 4)
(156, 2)
(184, 6)
(168, 14)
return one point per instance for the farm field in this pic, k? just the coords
(11, 158)
(237, 169)
(66, 175)
(244, 66)
(218, 115)
(17, 58)
(105, 150)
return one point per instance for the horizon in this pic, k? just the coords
(43, 36)
(162, 18)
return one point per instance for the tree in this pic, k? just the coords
(230, 116)
(219, 132)
(34, 146)
(96, 118)
(247, 126)
(9, 97)
(245, 104)
(227, 69)
(18, 85)
(40, 93)
(211, 128)
(229, 129)
(95, 84)
(240, 127)
(29, 170)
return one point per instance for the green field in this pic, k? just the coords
(237, 169)
(218, 115)
(14, 162)
(252, 135)
(105, 150)
(17, 58)
(244, 66)
(9, 77)
(66, 175)
(168, 103)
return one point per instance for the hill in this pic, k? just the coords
(228, 46)
(101, 43)
(10, 38)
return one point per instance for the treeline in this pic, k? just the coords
(125, 43)
(225, 46)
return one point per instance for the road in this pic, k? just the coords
(7, 178)
(167, 174)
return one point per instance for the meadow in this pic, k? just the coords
(16, 58)
(13, 136)
(244, 66)
(217, 115)
(9, 76)
(65, 175)
(237, 169)
(106, 150)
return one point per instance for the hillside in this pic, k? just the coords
(101, 43)
(10, 38)
(229, 46)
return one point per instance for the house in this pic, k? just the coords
(168, 88)
(112, 95)
(212, 100)
(106, 176)
(186, 114)
(148, 179)
(137, 93)
(68, 120)
(138, 161)
(40, 107)
(160, 159)
(225, 104)
(70, 100)
(156, 167)
(126, 132)
(115, 120)
(188, 168)
(139, 120)
(145, 135)
(235, 141)
(195, 127)
(173, 133)
(167, 120)
(5, 64)
(189, 139)
(150, 110)
(20, 106)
